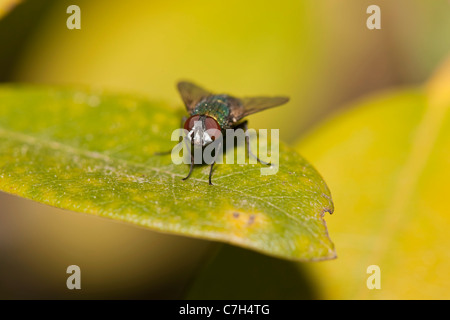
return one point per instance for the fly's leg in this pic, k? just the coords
(192, 159)
(244, 126)
(190, 169)
(210, 173)
(214, 162)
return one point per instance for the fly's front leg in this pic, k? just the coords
(214, 162)
(244, 126)
(192, 157)
(190, 169)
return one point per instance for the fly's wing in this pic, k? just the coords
(191, 93)
(246, 106)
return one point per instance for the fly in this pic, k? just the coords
(220, 112)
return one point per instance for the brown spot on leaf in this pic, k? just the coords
(242, 223)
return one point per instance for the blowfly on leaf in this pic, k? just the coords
(209, 112)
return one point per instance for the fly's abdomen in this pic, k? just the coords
(216, 106)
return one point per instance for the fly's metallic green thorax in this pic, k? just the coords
(216, 106)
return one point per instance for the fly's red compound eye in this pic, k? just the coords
(189, 124)
(211, 123)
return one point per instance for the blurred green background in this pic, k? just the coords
(320, 53)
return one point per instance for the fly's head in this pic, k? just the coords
(201, 130)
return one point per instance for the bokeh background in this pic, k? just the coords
(320, 53)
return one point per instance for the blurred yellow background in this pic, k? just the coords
(387, 162)
(320, 53)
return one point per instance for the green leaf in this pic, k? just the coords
(92, 152)
(388, 161)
